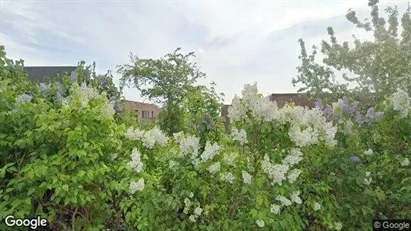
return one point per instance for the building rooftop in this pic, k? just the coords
(42, 73)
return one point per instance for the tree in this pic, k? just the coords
(377, 67)
(169, 81)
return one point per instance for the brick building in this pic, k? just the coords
(144, 111)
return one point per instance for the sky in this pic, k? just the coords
(236, 42)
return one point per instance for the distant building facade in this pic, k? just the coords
(143, 111)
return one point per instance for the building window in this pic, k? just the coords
(152, 114)
(145, 114)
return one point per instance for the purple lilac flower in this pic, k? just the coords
(378, 115)
(23, 98)
(117, 107)
(59, 96)
(345, 99)
(328, 110)
(370, 113)
(355, 159)
(318, 105)
(44, 88)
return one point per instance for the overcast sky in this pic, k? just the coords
(236, 42)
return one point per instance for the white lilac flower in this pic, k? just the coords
(137, 186)
(177, 136)
(284, 201)
(236, 111)
(239, 135)
(367, 174)
(293, 158)
(369, 152)
(401, 103)
(185, 211)
(293, 175)
(246, 177)
(191, 195)
(44, 88)
(316, 206)
(276, 172)
(135, 162)
(302, 138)
(405, 162)
(367, 181)
(275, 209)
(187, 202)
(229, 159)
(260, 223)
(214, 168)
(108, 110)
(24, 98)
(172, 164)
(159, 137)
(134, 134)
(295, 197)
(86, 93)
(190, 144)
(209, 152)
(192, 218)
(338, 226)
(198, 211)
(228, 177)
(307, 126)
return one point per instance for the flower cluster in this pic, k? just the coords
(367, 179)
(295, 197)
(260, 223)
(188, 144)
(275, 209)
(316, 206)
(24, 98)
(352, 110)
(86, 93)
(135, 162)
(260, 108)
(214, 168)
(239, 135)
(149, 138)
(197, 211)
(369, 152)
(401, 103)
(227, 176)
(154, 136)
(210, 150)
(405, 162)
(293, 158)
(44, 88)
(137, 186)
(246, 177)
(283, 200)
(276, 172)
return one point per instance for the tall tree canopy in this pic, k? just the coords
(169, 81)
(375, 67)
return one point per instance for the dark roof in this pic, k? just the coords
(42, 73)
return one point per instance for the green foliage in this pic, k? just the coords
(56, 161)
(171, 81)
(376, 67)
